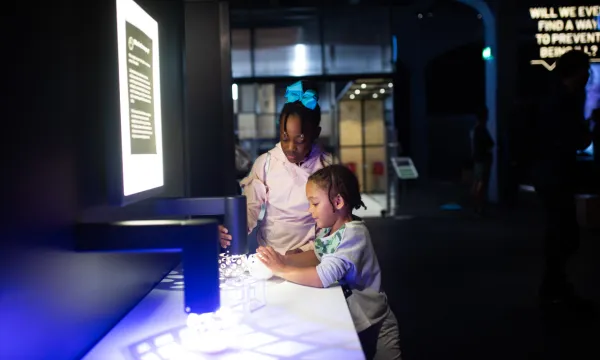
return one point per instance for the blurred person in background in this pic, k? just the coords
(560, 131)
(483, 146)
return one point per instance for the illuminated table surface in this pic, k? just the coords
(297, 322)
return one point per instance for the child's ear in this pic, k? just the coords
(339, 202)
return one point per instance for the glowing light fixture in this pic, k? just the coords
(486, 54)
(234, 91)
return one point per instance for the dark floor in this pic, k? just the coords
(465, 288)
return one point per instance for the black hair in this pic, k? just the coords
(572, 62)
(306, 115)
(338, 179)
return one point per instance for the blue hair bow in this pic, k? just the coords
(294, 93)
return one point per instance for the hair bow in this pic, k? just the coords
(294, 93)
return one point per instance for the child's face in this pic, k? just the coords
(320, 207)
(295, 144)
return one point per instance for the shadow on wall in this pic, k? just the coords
(450, 146)
(455, 90)
(455, 81)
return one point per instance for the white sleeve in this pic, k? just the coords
(255, 191)
(335, 266)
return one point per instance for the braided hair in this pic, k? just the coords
(306, 115)
(338, 179)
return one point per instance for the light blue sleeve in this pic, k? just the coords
(335, 266)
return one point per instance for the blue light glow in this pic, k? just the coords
(593, 98)
(450, 207)
(394, 48)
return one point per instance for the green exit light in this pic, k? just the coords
(487, 53)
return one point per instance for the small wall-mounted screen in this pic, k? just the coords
(139, 88)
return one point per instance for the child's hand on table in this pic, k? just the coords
(272, 259)
(302, 271)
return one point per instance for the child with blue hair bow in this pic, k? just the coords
(275, 187)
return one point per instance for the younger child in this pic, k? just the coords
(343, 253)
(274, 189)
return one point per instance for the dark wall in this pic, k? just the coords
(455, 81)
(209, 130)
(450, 146)
(55, 303)
(402, 108)
(455, 92)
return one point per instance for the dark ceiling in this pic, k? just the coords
(315, 3)
(266, 13)
(517, 5)
(314, 15)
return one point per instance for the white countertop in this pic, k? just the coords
(297, 322)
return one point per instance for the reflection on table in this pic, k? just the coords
(297, 323)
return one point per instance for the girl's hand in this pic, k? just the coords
(224, 236)
(272, 259)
